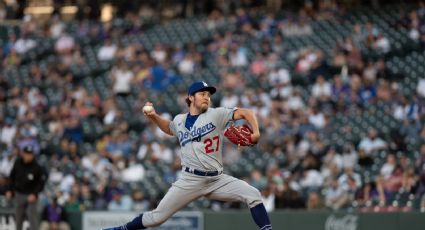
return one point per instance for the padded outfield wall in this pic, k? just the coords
(241, 220)
(303, 220)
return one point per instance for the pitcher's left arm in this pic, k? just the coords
(250, 117)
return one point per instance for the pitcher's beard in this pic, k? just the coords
(204, 108)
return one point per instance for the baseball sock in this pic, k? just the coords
(261, 218)
(135, 224)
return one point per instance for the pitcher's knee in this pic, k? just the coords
(155, 220)
(254, 197)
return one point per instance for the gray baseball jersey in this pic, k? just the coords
(201, 146)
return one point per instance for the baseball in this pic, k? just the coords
(147, 108)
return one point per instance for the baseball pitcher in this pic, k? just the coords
(200, 133)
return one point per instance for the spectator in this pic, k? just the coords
(7, 162)
(394, 182)
(122, 78)
(349, 174)
(257, 180)
(321, 89)
(365, 160)
(349, 156)
(341, 195)
(27, 136)
(333, 158)
(6, 165)
(24, 44)
(374, 192)
(389, 166)
(175, 170)
(120, 202)
(289, 198)
(317, 118)
(372, 143)
(73, 204)
(187, 65)
(232, 155)
(258, 66)
(54, 217)
(8, 132)
(335, 195)
(65, 44)
(295, 101)
(402, 108)
(420, 88)
(370, 71)
(159, 54)
(314, 201)
(339, 88)
(420, 161)
(311, 180)
(229, 100)
(238, 56)
(279, 76)
(133, 173)
(162, 153)
(269, 198)
(140, 204)
(382, 44)
(73, 130)
(107, 51)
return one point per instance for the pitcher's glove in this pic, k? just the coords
(239, 135)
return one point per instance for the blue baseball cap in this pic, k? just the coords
(200, 86)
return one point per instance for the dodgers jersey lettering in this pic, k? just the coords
(201, 146)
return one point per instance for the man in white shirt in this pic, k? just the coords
(107, 51)
(420, 89)
(343, 180)
(8, 132)
(311, 179)
(372, 142)
(333, 193)
(321, 89)
(122, 78)
(6, 163)
(23, 44)
(268, 196)
(382, 44)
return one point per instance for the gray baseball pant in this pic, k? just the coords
(191, 187)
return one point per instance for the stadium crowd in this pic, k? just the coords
(295, 103)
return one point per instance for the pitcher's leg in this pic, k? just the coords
(175, 199)
(238, 190)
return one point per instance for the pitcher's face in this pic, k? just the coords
(201, 101)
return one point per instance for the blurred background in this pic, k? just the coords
(338, 88)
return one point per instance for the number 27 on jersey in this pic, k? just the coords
(212, 145)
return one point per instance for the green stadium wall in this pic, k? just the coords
(304, 220)
(285, 220)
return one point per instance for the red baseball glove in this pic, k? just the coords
(239, 135)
